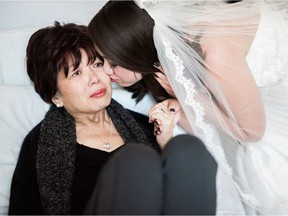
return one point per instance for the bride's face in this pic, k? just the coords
(126, 78)
(119, 75)
(122, 76)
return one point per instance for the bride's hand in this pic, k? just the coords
(165, 116)
(163, 81)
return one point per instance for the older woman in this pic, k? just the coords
(61, 158)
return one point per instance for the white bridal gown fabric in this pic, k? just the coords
(268, 61)
(253, 175)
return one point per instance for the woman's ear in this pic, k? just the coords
(56, 100)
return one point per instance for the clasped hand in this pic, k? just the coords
(165, 116)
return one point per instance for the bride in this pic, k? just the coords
(227, 66)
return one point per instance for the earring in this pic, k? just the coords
(58, 105)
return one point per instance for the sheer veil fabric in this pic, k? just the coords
(180, 27)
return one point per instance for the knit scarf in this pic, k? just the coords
(56, 153)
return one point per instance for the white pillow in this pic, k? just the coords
(13, 45)
(21, 109)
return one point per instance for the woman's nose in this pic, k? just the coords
(93, 78)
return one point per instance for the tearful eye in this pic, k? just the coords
(76, 73)
(98, 64)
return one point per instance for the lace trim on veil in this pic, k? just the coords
(199, 111)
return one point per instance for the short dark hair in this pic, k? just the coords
(124, 33)
(49, 51)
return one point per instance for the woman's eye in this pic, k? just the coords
(98, 64)
(76, 73)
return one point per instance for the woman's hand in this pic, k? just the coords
(165, 116)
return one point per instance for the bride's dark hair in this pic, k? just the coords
(124, 34)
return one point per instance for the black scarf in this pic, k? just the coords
(57, 151)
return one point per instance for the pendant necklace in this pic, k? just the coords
(108, 145)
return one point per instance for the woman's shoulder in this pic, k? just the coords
(219, 48)
(228, 41)
(34, 132)
(31, 139)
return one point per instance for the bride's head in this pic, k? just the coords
(123, 33)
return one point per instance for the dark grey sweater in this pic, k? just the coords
(43, 181)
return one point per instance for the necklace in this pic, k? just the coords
(108, 145)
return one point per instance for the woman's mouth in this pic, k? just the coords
(99, 93)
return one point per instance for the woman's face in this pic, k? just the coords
(119, 75)
(85, 90)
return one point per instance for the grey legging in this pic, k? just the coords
(138, 180)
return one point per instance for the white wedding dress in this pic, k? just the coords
(268, 61)
(267, 169)
(251, 176)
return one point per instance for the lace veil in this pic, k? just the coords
(179, 25)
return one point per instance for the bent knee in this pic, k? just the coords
(187, 146)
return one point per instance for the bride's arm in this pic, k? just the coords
(227, 59)
(173, 103)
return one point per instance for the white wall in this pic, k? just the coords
(22, 14)
(19, 19)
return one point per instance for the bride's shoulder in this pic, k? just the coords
(237, 36)
(221, 48)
